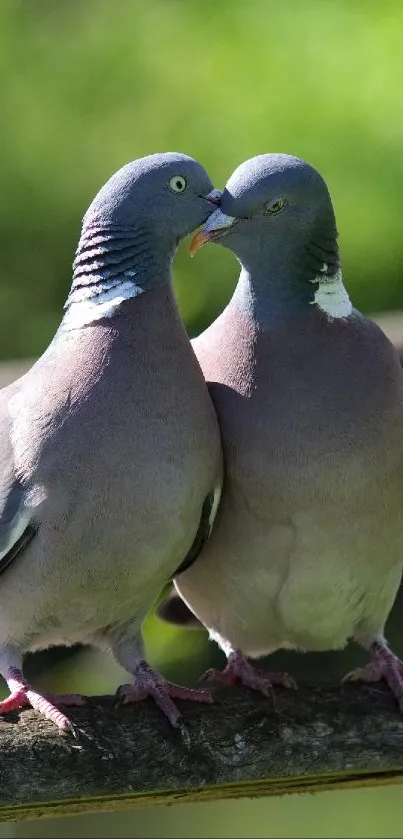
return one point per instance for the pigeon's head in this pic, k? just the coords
(168, 195)
(272, 203)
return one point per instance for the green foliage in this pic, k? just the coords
(91, 84)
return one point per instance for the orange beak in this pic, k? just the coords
(216, 226)
(201, 238)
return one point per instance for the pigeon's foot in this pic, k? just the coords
(149, 683)
(384, 665)
(238, 671)
(22, 695)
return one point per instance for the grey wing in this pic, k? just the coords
(17, 526)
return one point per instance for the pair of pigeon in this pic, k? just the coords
(112, 466)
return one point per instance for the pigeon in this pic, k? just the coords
(111, 462)
(307, 547)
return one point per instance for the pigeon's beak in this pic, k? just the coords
(214, 197)
(216, 226)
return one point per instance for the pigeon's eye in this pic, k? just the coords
(274, 207)
(178, 183)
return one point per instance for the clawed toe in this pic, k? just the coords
(28, 697)
(384, 665)
(148, 683)
(276, 678)
(369, 673)
(16, 699)
(238, 671)
(70, 700)
(22, 695)
(215, 675)
(126, 694)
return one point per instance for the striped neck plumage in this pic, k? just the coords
(112, 264)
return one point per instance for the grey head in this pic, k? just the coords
(276, 215)
(165, 193)
(132, 228)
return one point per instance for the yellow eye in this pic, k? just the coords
(274, 207)
(178, 183)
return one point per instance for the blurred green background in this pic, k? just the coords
(91, 84)
(88, 85)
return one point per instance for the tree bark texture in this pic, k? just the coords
(242, 745)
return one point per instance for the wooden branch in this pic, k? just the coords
(243, 745)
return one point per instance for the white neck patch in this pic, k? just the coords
(83, 312)
(331, 297)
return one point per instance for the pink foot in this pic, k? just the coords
(239, 671)
(148, 683)
(22, 695)
(384, 665)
